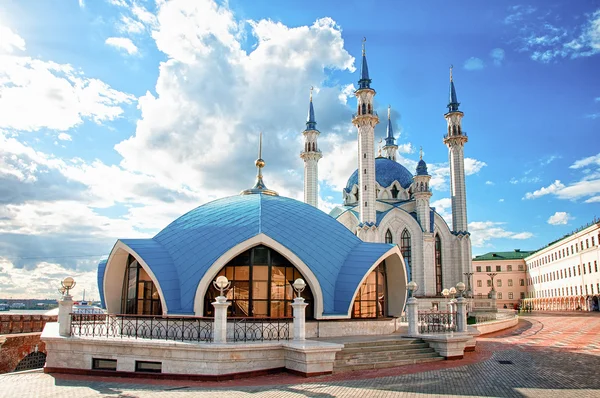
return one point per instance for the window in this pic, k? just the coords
(499, 296)
(498, 268)
(510, 295)
(140, 295)
(405, 249)
(595, 266)
(104, 364)
(510, 283)
(587, 244)
(489, 283)
(478, 283)
(151, 367)
(520, 267)
(522, 295)
(388, 236)
(488, 268)
(509, 268)
(438, 264)
(590, 267)
(521, 282)
(261, 286)
(499, 282)
(394, 192)
(478, 268)
(370, 301)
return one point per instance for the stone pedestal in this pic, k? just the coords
(299, 308)
(65, 307)
(461, 314)
(412, 311)
(220, 322)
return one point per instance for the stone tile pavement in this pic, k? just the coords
(545, 355)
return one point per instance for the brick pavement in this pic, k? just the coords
(544, 355)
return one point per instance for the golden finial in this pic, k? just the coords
(421, 153)
(363, 45)
(259, 187)
(389, 110)
(451, 67)
(311, 91)
(260, 163)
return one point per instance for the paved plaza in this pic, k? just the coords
(545, 355)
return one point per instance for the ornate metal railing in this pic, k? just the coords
(437, 322)
(142, 327)
(261, 329)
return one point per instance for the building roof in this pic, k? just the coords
(386, 172)
(516, 254)
(181, 253)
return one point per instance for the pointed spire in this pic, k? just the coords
(421, 166)
(453, 101)
(389, 139)
(420, 153)
(260, 186)
(311, 123)
(364, 81)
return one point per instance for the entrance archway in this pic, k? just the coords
(35, 360)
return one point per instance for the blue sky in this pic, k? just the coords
(117, 116)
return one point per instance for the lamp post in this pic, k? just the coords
(68, 283)
(461, 309)
(412, 309)
(492, 275)
(65, 306)
(469, 291)
(299, 309)
(220, 304)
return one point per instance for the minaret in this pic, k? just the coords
(390, 147)
(422, 195)
(365, 120)
(311, 155)
(455, 139)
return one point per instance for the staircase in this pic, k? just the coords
(383, 354)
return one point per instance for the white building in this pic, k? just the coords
(564, 275)
(384, 201)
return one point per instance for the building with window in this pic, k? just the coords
(385, 202)
(564, 275)
(509, 276)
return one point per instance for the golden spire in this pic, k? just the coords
(259, 187)
(311, 90)
(363, 45)
(421, 153)
(451, 67)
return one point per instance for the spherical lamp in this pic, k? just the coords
(460, 287)
(299, 285)
(412, 287)
(68, 283)
(222, 284)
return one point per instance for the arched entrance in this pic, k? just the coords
(35, 360)
(595, 304)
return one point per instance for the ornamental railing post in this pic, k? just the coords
(220, 323)
(299, 308)
(65, 308)
(412, 309)
(461, 314)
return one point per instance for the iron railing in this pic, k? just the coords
(261, 329)
(437, 322)
(142, 327)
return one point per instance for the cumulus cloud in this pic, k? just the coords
(559, 218)
(489, 183)
(64, 137)
(10, 41)
(484, 231)
(586, 162)
(473, 63)
(122, 43)
(444, 208)
(555, 187)
(497, 55)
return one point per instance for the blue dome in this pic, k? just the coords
(422, 168)
(386, 172)
(180, 254)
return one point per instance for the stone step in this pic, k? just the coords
(387, 347)
(383, 364)
(393, 356)
(384, 355)
(395, 342)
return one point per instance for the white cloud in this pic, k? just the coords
(484, 231)
(130, 26)
(489, 183)
(81, 3)
(585, 162)
(444, 208)
(472, 166)
(518, 12)
(64, 137)
(594, 199)
(501, 200)
(497, 55)
(553, 188)
(559, 218)
(406, 148)
(122, 43)
(118, 3)
(10, 41)
(473, 63)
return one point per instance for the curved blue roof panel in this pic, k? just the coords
(100, 276)
(386, 172)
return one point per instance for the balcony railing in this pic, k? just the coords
(437, 322)
(373, 113)
(261, 329)
(142, 327)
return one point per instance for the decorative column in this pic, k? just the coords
(461, 314)
(412, 310)
(220, 305)
(299, 308)
(65, 308)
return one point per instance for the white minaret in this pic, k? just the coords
(365, 120)
(422, 195)
(390, 147)
(455, 139)
(311, 155)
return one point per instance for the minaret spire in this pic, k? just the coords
(311, 155)
(260, 186)
(365, 81)
(452, 100)
(390, 147)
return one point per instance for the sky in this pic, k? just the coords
(118, 116)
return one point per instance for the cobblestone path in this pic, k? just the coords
(545, 355)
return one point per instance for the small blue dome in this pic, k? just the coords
(386, 172)
(422, 168)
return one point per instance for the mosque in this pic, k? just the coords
(356, 261)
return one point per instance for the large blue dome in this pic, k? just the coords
(386, 172)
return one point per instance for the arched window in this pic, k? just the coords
(140, 295)
(364, 109)
(406, 252)
(261, 286)
(388, 236)
(438, 264)
(370, 301)
(394, 192)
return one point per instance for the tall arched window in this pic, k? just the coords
(370, 301)
(388, 236)
(261, 286)
(405, 249)
(438, 264)
(140, 295)
(394, 191)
